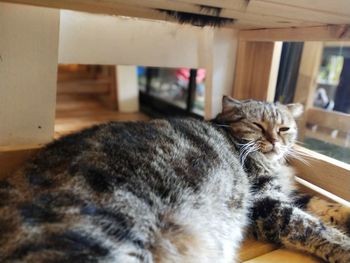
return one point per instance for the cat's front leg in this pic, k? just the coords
(329, 212)
(282, 223)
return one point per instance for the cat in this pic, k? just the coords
(163, 191)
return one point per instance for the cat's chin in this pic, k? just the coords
(273, 155)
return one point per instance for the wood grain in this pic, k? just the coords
(246, 14)
(256, 70)
(28, 73)
(284, 255)
(252, 248)
(307, 80)
(12, 159)
(315, 33)
(325, 172)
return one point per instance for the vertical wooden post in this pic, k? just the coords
(205, 56)
(308, 70)
(127, 88)
(256, 70)
(307, 79)
(28, 74)
(274, 68)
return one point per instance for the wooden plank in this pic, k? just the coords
(28, 73)
(127, 88)
(242, 17)
(285, 255)
(224, 56)
(341, 7)
(93, 6)
(78, 112)
(125, 41)
(253, 70)
(150, 10)
(319, 135)
(252, 248)
(99, 86)
(295, 12)
(228, 4)
(332, 119)
(206, 55)
(307, 80)
(307, 187)
(325, 172)
(339, 44)
(12, 159)
(317, 33)
(274, 68)
(308, 71)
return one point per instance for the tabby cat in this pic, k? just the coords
(177, 190)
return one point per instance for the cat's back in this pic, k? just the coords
(117, 191)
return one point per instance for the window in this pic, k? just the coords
(324, 89)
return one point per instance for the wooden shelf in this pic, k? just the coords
(76, 112)
(285, 256)
(244, 14)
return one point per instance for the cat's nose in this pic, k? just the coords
(273, 141)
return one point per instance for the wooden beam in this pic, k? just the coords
(318, 33)
(307, 80)
(93, 6)
(340, 7)
(327, 173)
(127, 88)
(334, 120)
(240, 5)
(254, 74)
(28, 74)
(289, 11)
(274, 68)
(206, 60)
(150, 10)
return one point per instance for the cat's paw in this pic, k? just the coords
(347, 226)
(341, 258)
(339, 216)
(342, 254)
(332, 213)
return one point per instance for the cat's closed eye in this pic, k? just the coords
(259, 126)
(283, 129)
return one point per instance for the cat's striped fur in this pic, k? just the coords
(163, 191)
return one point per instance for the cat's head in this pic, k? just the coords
(269, 128)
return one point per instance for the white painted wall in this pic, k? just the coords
(101, 39)
(28, 74)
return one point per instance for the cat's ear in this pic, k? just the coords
(229, 104)
(296, 109)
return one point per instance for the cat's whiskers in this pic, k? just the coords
(300, 142)
(246, 149)
(295, 154)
